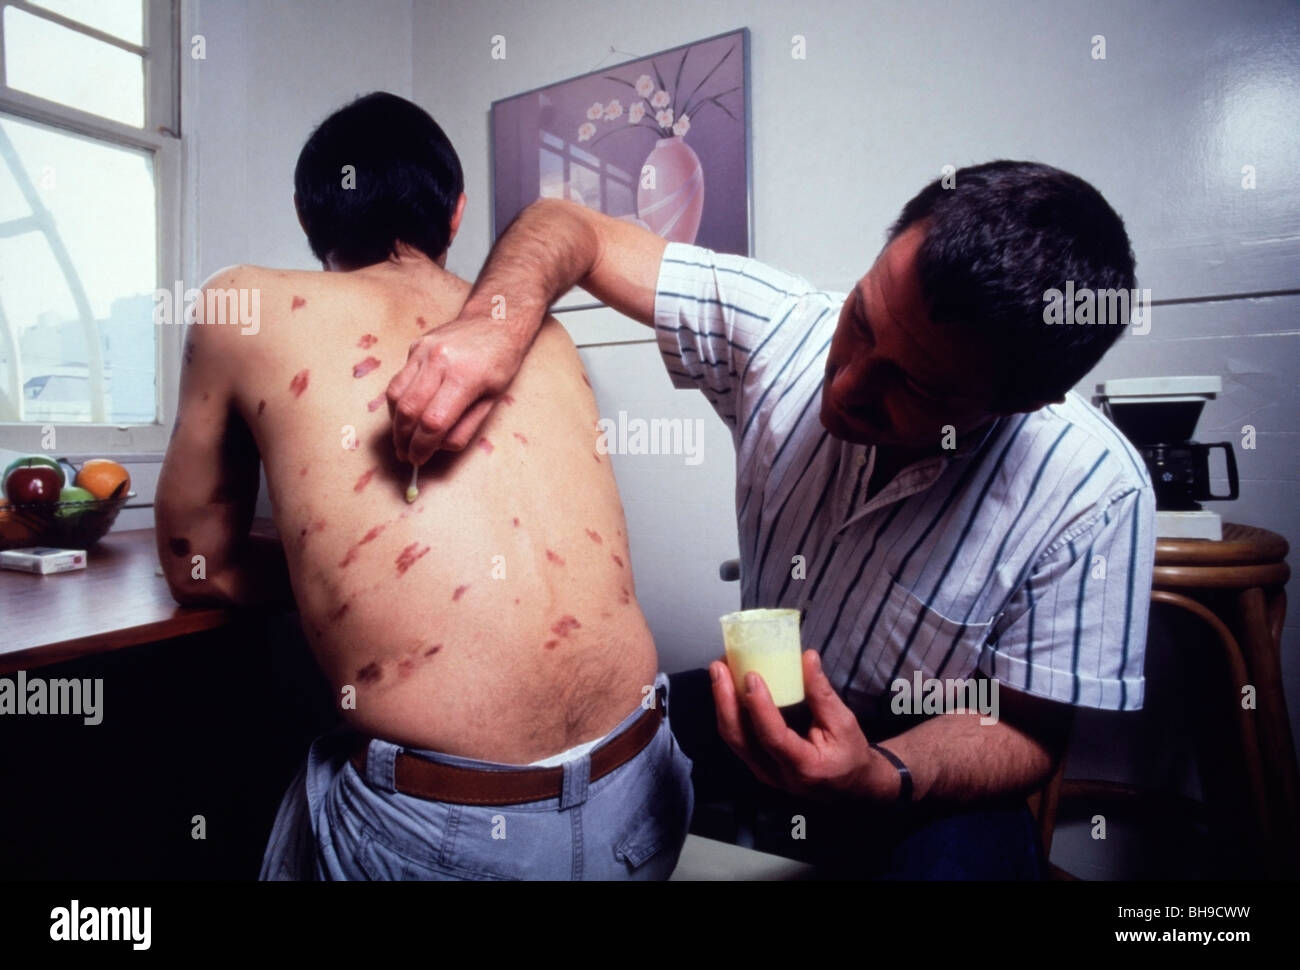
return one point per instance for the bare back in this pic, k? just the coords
(494, 617)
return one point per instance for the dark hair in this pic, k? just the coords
(995, 243)
(405, 175)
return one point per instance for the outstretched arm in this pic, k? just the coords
(454, 375)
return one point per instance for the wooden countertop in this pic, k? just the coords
(118, 600)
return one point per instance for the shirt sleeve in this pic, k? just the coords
(1075, 631)
(715, 316)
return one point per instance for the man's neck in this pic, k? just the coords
(407, 264)
(892, 459)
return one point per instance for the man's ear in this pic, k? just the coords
(455, 218)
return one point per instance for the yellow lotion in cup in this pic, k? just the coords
(766, 642)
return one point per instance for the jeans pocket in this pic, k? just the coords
(643, 842)
(653, 841)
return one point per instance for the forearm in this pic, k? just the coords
(954, 758)
(249, 572)
(549, 248)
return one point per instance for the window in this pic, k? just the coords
(89, 221)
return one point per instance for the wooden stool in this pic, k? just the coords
(1235, 586)
(1248, 568)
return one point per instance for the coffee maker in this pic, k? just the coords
(1158, 415)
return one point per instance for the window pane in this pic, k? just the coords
(99, 201)
(550, 170)
(584, 186)
(61, 65)
(121, 18)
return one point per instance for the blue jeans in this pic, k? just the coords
(989, 843)
(336, 824)
(993, 841)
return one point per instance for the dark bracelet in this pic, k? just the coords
(905, 776)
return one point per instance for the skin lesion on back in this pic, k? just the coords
(383, 674)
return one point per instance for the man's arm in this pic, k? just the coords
(951, 757)
(454, 375)
(955, 758)
(207, 488)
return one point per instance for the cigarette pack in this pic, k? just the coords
(43, 559)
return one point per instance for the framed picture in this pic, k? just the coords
(661, 141)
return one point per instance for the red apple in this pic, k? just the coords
(33, 483)
(26, 460)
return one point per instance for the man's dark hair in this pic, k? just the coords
(1006, 233)
(407, 181)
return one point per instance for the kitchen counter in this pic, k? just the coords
(118, 600)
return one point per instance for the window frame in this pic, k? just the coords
(161, 136)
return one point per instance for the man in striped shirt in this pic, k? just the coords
(913, 473)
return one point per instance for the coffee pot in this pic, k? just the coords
(1158, 415)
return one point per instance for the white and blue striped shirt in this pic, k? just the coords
(1026, 553)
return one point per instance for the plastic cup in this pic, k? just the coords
(766, 642)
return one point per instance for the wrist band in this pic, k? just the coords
(905, 776)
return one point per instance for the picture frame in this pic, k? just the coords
(615, 139)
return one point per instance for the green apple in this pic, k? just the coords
(27, 461)
(73, 493)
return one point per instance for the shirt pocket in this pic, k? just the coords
(924, 638)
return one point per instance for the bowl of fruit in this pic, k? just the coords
(48, 502)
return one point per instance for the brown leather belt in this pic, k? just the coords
(438, 782)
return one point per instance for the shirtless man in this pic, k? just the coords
(485, 627)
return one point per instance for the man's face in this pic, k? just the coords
(893, 377)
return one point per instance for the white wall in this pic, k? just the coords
(274, 70)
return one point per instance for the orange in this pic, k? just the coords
(103, 478)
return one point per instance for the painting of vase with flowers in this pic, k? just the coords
(661, 141)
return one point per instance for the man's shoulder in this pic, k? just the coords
(266, 277)
(261, 299)
(760, 281)
(769, 311)
(1074, 433)
(223, 294)
(290, 287)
